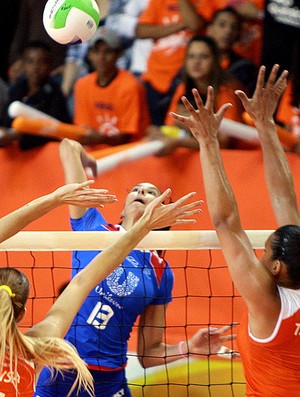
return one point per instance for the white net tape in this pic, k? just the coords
(162, 240)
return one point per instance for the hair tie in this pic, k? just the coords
(8, 290)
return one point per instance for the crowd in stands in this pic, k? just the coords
(146, 54)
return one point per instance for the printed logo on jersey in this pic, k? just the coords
(108, 125)
(125, 288)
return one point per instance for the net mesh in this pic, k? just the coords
(203, 296)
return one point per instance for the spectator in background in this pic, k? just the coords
(141, 48)
(170, 23)
(30, 28)
(36, 88)
(110, 101)
(122, 18)
(76, 65)
(123, 24)
(225, 28)
(201, 69)
(251, 12)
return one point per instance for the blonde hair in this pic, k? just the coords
(53, 352)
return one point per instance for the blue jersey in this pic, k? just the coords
(102, 327)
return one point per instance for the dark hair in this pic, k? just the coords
(286, 248)
(229, 10)
(37, 45)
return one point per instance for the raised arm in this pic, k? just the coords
(191, 19)
(261, 107)
(74, 158)
(77, 194)
(253, 281)
(156, 216)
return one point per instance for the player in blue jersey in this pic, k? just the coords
(141, 285)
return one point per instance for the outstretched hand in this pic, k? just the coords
(262, 106)
(158, 215)
(210, 341)
(203, 122)
(81, 195)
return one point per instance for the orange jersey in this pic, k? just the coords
(272, 366)
(167, 55)
(120, 107)
(25, 380)
(225, 94)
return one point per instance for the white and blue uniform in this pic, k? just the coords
(102, 327)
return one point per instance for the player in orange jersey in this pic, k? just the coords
(269, 334)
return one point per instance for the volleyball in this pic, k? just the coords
(71, 21)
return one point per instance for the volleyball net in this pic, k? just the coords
(203, 296)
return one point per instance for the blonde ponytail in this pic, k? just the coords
(58, 354)
(53, 352)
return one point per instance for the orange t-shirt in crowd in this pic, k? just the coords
(225, 94)
(250, 43)
(26, 380)
(272, 365)
(120, 107)
(167, 55)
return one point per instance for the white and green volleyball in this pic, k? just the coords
(71, 21)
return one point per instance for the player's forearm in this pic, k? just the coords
(103, 264)
(163, 354)
(145, 31)
(61, 315)
(69, 77)
(17, 220)
(192, 19)
(70, 156)
(220, 198)
(278, 174)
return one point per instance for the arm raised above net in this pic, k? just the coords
(253, 281)
(261, 107)
(74, 159)
(77, 194)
